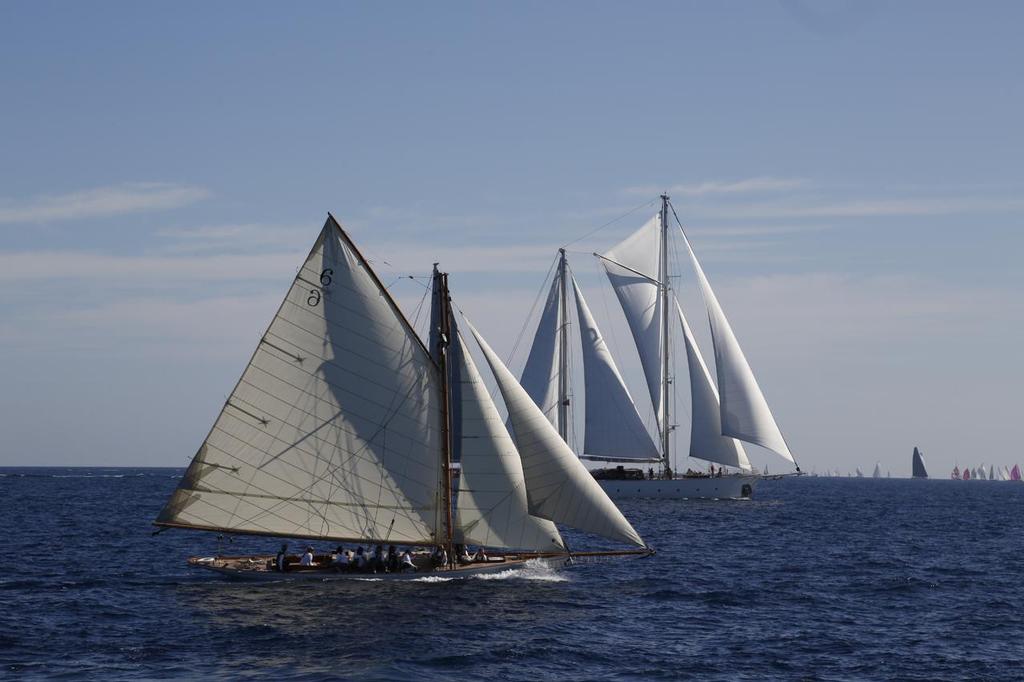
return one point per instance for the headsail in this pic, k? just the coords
(333, 430)
(559, 488)
(492, 506)
(917, 465)
(633, 267)
(540, 376)
(745, 412)
(614, 429)
(706, 439)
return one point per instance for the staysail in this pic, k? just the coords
(614, 429)
(917, 465)
(333, 430)
(558, 486)
(706, 439)
(745, 412)
(540, 376)
(492, 504)
(633, 267)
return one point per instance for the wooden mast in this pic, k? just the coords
(563, 352)
(666, 428)
(444, 342)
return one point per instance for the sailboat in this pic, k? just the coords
(860, 474)
(956, 473)
(1015, 473)
(877, 473)
(735, 410)
(346, 427)
(917, 469)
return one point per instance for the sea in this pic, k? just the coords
(813, 579)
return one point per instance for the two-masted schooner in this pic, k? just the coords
(345, 427)
(641, 274)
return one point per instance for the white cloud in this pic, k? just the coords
(862, 208)
(712, 187)
(57, 265)
(101, 201)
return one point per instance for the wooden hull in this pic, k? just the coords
(256, 568)
(732, 487)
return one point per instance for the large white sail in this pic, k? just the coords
(559, 488)
(745, 412)
(333, 430)
(540, 376)
(614, 429)
(877, 473)
(633, 267)
(706, 439)
(492, 506)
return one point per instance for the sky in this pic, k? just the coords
(849, 174)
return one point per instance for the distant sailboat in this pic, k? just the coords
(917, 466)
(956, 472)
(991, 473)
(877, 473)
(967, 474)
(860, 474)
(1015, 473)
(735, 410)
(345, 427)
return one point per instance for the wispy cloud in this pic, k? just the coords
(714, 187)
(84, 265)
(234, 238)
(100, 201)
(863, 208)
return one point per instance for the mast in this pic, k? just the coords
(666, 429)
(443, 343)
(563, 352)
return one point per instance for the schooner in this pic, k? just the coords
(640, 272)
(346, 427)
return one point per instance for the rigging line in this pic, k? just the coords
(533, 307)
(611, 222)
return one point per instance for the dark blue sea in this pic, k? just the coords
(816, 579)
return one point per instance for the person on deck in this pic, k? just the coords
(464, 557)
(360, 560)
(307, 557)
(340, 562)
(481, 555)
(406, 564)
(377, 559)
(440, 557)
(392, 566)
(650, 474)
(281, 560)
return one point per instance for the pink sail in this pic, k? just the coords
(1015, 473)
(967, 474)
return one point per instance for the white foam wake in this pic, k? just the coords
(535, 569)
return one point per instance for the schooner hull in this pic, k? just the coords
(732, 487)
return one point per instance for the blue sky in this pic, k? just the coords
(849, 172)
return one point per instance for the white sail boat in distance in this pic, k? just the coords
(735, 410)
(917, 464)
(345, 427)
